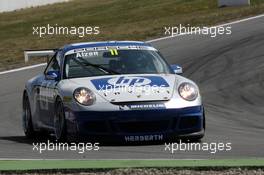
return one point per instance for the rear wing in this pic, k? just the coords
(39, 53)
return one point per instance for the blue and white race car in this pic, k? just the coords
(119, 90)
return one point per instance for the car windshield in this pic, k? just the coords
(96, 63)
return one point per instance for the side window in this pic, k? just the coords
(53, 65)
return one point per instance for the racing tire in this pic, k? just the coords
(27, 118)
(60, 129)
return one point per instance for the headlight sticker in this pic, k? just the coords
(188, 91)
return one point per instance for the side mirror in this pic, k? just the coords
(176, 69)
(53, 75)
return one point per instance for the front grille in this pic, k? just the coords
(189, 122)
(96, 126)
(140, 127)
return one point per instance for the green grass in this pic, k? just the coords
(13, 165)
(117, 19)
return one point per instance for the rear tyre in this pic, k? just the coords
(27, 118)
(60, 130)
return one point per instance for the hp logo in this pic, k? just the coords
(129, 81)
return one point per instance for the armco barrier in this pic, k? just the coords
(222, 3)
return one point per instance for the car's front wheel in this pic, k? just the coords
(26, 118)
(59, 122)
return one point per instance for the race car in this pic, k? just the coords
(118, 90)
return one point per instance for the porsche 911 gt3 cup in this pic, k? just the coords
(122, 91)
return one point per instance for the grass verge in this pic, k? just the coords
(20, 165)
(117, 19)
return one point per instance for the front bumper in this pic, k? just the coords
(137, 125)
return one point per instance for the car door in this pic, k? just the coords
(47, 93)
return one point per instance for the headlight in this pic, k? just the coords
(188, 91)
(84, 96)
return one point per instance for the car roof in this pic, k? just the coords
(69, 47)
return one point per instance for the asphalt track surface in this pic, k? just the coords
(229, 70)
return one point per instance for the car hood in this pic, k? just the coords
(130, 88)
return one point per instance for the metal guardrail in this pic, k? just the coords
(223, 3)
(38, 53)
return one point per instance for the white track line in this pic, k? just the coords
(12, 159)
(150, 41)
(221, 25)
(23, 68)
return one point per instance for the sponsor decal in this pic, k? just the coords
(147, 106)
(129, 81)
(87, 54)
(114, 52)
(144, 138)
(113, 48)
